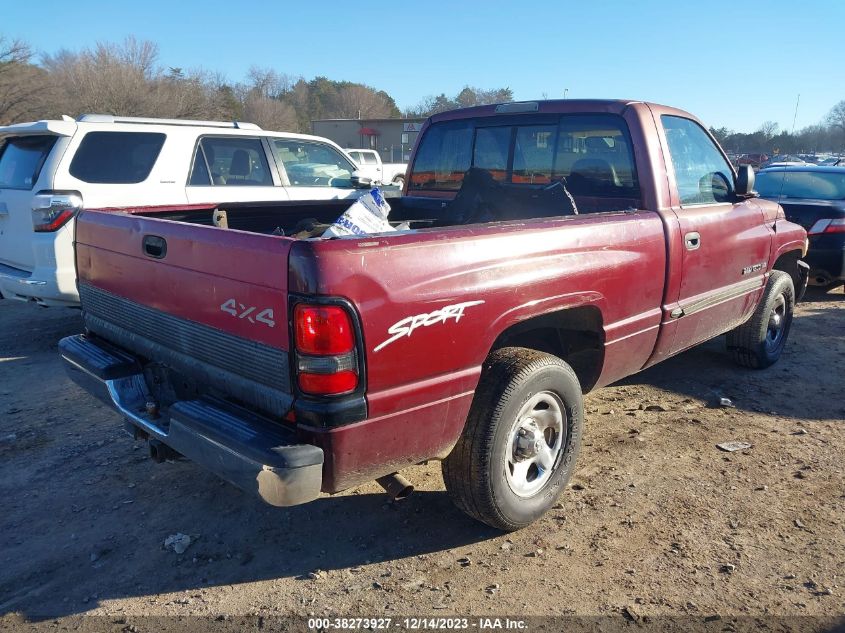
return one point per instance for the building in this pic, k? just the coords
(392, 138)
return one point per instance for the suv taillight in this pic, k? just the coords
(52, 210)
(836, 225)
(326, 360)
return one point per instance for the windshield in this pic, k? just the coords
(817, 185)
(21, 159)
(313, 164)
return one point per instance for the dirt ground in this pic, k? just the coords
(657, 521)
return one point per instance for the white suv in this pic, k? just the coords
(50, 169)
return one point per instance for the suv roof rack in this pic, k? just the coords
(110, 118)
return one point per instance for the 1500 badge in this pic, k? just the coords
(753, 268)
(406, 326)
(250, 313)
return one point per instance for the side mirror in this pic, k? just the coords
(745, 181)
(360, 181)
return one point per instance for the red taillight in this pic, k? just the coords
(52, 210)
(328, 384)
(836, 225)
(323, 330)
(324, 341)
(54, 222)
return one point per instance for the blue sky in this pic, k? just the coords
(733, 64)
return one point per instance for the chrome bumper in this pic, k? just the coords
(249, 451)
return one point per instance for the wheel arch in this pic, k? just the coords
(574, 334)
(788, 262)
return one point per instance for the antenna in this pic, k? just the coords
(792, 133)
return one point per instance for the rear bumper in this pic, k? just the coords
(52, 280)
(45, 287)
(249, 451)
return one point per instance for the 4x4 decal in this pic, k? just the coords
(241, 311)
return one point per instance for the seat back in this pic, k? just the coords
(241, 166)
(592, 176)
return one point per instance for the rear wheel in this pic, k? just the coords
(399, 182)
(522, 436)
(760, 341)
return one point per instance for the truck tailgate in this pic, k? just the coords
(211, 306)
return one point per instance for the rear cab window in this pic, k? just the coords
(443, 157)
(21, 160)
(589, 154)
(116, 158)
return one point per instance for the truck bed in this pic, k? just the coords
(310, 218)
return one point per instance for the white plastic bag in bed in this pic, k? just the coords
(368, 214)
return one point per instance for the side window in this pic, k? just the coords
(117, 158)
(492, 146)
(594, 157)
(370, 159)
(533, 154)
(312, 164)
(443, 157)
(702, 174)
(233, 161)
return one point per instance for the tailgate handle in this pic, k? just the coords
(155, 246)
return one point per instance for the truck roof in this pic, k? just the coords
(551, 106)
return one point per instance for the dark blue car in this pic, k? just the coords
(813, 197)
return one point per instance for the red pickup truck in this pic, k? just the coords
(554, 247)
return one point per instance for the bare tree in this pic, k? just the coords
(269, 83)
(769, 129)
(358, 101)
(836, 117)
(21, 83)
(109, 79)
(125, 79)
(270, 114)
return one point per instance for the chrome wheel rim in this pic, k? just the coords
(777, 323)
(535, 442)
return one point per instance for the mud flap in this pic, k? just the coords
(803, 279)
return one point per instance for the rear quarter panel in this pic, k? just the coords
(421, 383)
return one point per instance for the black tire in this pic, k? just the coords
(759, 342)
(477, 472)
(399, 181)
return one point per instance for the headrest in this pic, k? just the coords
(241, 165)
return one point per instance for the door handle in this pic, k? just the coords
(155, 246)
(692, 241)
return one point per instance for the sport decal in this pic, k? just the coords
(406, 326)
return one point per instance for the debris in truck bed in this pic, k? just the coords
(220, 218)
(368, 214)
